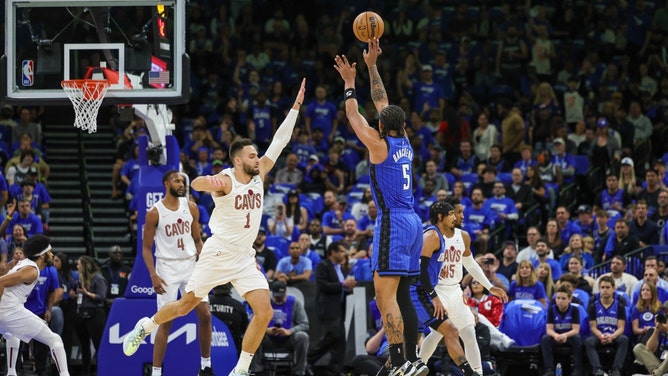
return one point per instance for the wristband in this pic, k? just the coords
(349, 94)
(9, 217)
(433, 294)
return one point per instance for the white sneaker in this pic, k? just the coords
(134, 339)
(239, 373)
(406, 370)
(507, 342)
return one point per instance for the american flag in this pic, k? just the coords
(161, 77)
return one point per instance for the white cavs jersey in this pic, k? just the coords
(173, 236)
(451, 269)
(236, 218)
(16, 296)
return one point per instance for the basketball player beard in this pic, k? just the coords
(251, 169)
(177, 192)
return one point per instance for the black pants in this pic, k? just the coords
(69, 307)
(334, 341)
(88, 329)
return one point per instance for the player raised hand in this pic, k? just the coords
(372, 52)
(499, 293)
(300, 95)
(346, 70)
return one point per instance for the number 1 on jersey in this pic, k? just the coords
(247, 225)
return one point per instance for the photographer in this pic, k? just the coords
(649, 354)
(280, 224)
(489, 264)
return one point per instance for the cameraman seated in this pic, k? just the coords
(651, 354)
(287, 329)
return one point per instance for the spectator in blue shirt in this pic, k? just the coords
(478, 220)
(542, 251)
(305, 245)
(31, 223)
(526, 159)
(566, 227)
(526, 284)
(321, 114)
(294, 268)
(500, 204)
(303, 148)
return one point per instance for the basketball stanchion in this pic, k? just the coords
(86, 97)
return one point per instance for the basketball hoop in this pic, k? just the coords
(86, 97)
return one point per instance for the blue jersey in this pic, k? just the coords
(46, 282)
(391, 180)
(607, 318)
(434, 264)
(563, 321)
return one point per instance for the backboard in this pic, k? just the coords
(140, 41)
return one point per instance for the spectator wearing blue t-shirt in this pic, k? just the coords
(294, 268)
(478, 220)
(321, 114)
(30, 222)
(566, 227)
(526, 284)
(305, 245)
(303, 148)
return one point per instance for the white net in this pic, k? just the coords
(86, 97)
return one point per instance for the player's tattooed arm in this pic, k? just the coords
(378, 92)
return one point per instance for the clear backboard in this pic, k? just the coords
(138, 45)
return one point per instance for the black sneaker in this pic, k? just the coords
(207, 371)
(405, 370)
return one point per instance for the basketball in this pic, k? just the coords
(368, 25)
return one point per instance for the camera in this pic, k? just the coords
(280, 210)
(661, 318)
(489, 261)
(277, 325)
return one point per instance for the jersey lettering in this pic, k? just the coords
(181, 227)
(247, 201)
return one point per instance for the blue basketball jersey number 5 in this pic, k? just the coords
(407, 175)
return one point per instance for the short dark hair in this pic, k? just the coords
(26, 153)
(569, 278)
(438, 207)
(452, 200)
(237, 145)
(621, 258)
(606, 278)
(393, 118)
(333, 247)
(565, 290)
(167, 174)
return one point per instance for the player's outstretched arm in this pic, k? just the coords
(283, 134)
(218, 183)
(369, 136)
(378, 93)
(24, 275)
(472, 265)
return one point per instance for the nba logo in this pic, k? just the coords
(27, 73)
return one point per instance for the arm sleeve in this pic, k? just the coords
(476, 272)
(282, 136)
(424, 275)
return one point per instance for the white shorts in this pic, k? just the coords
(19, 322)
(459, 313)
(219, 265)
(176, 274)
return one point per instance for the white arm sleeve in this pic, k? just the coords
(476, 272)
(282, 136)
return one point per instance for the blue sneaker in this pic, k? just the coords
(135, 338)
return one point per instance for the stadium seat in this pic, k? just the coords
(280, 245)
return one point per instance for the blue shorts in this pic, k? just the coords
(397, 243)
(424, 309)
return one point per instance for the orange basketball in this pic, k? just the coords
(368, 25)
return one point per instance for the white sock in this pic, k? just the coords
(149, 325)
(429, 345)
(471, 348)
(244, 362)
(157, 371)
(13, 345)
(205, 362)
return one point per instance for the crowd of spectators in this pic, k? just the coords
(546, 119)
